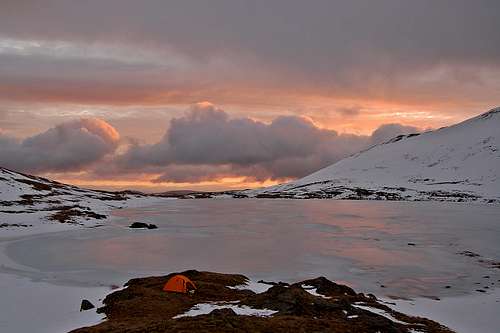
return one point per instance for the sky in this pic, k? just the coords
(221, 94)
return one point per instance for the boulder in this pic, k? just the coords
(223, 312)
(86, 305)
(142, 225)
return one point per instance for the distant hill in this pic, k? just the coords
(32, 203)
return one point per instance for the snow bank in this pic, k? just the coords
(473, 313)
(30, 306)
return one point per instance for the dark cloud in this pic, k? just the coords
(195, 173)
(206, 144)
(69, 146)
(388, 48)
(415, 29)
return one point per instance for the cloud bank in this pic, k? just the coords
(70, 146)
(205, 144)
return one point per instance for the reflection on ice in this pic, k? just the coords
(365, 244)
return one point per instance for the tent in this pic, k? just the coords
(180, 284)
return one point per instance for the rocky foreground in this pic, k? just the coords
(316, 305)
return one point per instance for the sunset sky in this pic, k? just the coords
(219, 94)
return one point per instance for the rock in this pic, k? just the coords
(469, 254)
(7, 225)
(223, 312)
(142, 225)
(282, 284)
(329, 288)
(138, 225)
(86, 305)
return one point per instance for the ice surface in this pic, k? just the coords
(271, 240)
(361, 243)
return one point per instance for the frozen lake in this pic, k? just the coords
(392, 249)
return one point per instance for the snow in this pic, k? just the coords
(380, 312)
(256, 287)
(242, 310)
(313, 291)
(472, 313)
(30, 306)
(460, 159)
(30, 201)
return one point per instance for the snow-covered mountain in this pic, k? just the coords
(30, 204)
(456, 163)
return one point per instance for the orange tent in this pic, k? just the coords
(179, 284)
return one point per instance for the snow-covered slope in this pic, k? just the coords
(456, 163)
(30, 204)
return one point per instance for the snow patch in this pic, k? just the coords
(242, 310)
(380, 312)
(313, 291)
(256, 287)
